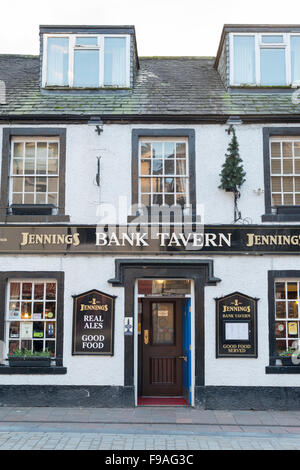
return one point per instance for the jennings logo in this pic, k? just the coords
(236, 306)
(49, 239)
(94, 305)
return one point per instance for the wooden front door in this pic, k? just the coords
(161, 347)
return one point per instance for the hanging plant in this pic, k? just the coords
(232, 174)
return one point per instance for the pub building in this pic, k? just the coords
(104, 303)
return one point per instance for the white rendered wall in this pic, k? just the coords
(247, 274)
(114, 147)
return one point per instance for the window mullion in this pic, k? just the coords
(71, 60)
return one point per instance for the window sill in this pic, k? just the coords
(283, 369)
(52, 370)
(281, 217)
(35, 218)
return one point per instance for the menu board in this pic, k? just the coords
(236, 326)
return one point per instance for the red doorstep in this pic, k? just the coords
(162, 401)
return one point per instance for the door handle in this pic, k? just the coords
(182, 357)
(146, 336)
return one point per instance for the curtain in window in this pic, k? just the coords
(295, 56)
(57, 61)
(244, 60)
(115, 61)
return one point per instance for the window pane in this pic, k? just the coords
(275, 149)
(145, 185)
(295, 57)
(272, 67)
(29, 150)
(53, 166)
(15, 290)
(169, 150)
(28, 198)
(53, 149)
(180, 167)
(52, 185)
(180, 150)
(157, 185)
(163, 323)
(280, 290)
(17, 167)
(157, 150)
(86, 41)
(280, 309)
(169, 167)
(38, 291)
(52, 199)
(157, 166)
(115, 61)
(41, 185)
(287, 149)
(297, 149)
(288, 166)
(276, 166)
(292, 290)
(57, 61)
(276, 184)
(146, 150)
(145, 167)
(17, 185)
(41, 164)
(244, 59)
(169, 185)
(51, 290)
(19, 149)
(276, 39)
(86, 68)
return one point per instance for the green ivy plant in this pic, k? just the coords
(28, 353)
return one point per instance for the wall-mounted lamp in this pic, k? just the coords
(96, 121)
(231, 122)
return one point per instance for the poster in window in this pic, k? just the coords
(26, 330)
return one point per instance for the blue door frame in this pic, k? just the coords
(187, 350)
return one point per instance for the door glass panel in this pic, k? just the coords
(162, 323)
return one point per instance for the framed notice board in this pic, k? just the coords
(236, 326)
(93, 324)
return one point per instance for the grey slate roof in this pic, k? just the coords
(163, 86)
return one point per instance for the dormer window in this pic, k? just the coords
(266, 59)
(86, 61)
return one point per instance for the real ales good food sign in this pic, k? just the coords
(93, 324)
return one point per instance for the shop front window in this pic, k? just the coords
(31, 316)
(286, 316)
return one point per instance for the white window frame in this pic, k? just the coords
(175, 140)
(8, 320)
(73, 47)
(11, 174)
(285, 320)
(293, 175)
(286, 44)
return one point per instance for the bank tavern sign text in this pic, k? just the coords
(218, 239)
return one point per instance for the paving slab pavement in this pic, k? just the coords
(151, 428)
